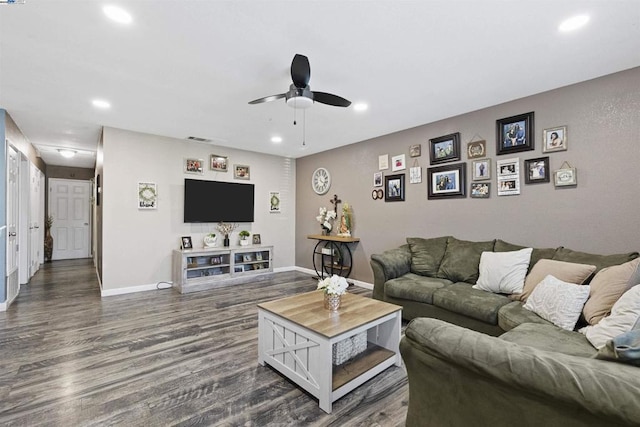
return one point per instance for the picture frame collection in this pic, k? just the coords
(446, 179)
(217, 163)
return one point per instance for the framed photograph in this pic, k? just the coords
(258, 256)
(219, 163)
(536, 170)
(395, 188)
(194, 166)
(480, 190)
(377, 179)
(256, 239)
(415, 150)
(565, 176)
(476, 149)
(377, 194)
(398, 163)
(186, 242)
(241, 172)
(238, 269)
(447, 181)
(415, 175)
(481, 169)
(246, 258)
(445, 148)
(508, 172)
(508, 167)
(215, 260)
(515, 134)
(383, 162)
(147, 195)
(274, 202)
(555, 139)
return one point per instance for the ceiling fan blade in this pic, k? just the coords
(300, 71)
(330, 99)
(267, 98)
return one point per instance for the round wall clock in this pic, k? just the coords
(321, 181)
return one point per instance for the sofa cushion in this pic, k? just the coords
(625, 315)
(462, 260)
(427, 254)
(503, 272)
(414, 287)
(565, 271)
(514, 314)
(463, 299)
(607, 287)
(600, 261)
(536, 255)
(550, 338)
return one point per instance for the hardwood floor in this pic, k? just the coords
(71, 358)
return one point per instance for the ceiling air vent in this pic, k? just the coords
(198, 139)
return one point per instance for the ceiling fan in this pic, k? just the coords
(300, 94)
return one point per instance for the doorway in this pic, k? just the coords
(70, 207)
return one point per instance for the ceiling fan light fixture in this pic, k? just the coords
(67, 154)
(299, 102)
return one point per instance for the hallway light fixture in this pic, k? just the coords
(67, 153)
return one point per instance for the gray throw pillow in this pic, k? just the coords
(426, 254)
(461, 262)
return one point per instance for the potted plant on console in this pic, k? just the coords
(210, 240)
(244, 237)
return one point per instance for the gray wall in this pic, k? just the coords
(599, 215)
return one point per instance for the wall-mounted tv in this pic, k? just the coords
(215, 201)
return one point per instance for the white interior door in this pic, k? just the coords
(24, 244)
(70, 206)
(13, 205)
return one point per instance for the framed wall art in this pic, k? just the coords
(480, 190)
(383, 162)
(565, 176)
(447, 181)
(194, 166)
(445, 148)
(377, 194)
(398, 163)
(377, 179)
(554, 139)
(415, 175)
(241, 172)
(394, 185)
(476, 149)
(147, 195)
(415, 150)
(481, 169)
(508, 173)
(219, 163)
(515, 134)
(536, 170)
(274, 202)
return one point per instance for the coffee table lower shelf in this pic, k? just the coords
(360, 364)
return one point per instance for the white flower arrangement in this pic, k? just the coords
(326, 218)
(334, 285)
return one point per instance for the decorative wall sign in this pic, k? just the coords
(447, 181)
(398, 163)
(383, 162)
(536, 170)
(445, 148)
(476, 149)
(554, 139)
(415, 150)
(481, 169)
(147, 195)
(508, 171)
(274, 202)
(515, 134)
(565, 176)
(415, 175)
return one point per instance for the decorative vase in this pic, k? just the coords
(332, 301)
(209, 241)
(325, 232)
(244, 242)
(48, 245)
(226, 240)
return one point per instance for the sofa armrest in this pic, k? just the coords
(469, 378)
(389, 265)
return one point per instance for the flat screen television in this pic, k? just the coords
(215, 201)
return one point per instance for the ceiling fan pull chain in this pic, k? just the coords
(304, 127)
(294, 113)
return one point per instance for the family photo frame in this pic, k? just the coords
(194, 166)
(186, 242)
(219, 163)
(554, 139)
(241, 172)
(480, 190)
(481, 169)
(394, 185)
(515, 134)
(536, 170)
(444, 149)
(447, 181)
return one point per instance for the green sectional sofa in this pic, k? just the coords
(479, 358)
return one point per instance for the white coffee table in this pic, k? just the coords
(296, 335)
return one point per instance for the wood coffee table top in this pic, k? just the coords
(308, 310)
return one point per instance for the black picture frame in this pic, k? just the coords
(480, 190)
(448, 181)
(444, 149)
(186, 242)
(515, 134)
(394, 188)
(536, 171)
(257, 239)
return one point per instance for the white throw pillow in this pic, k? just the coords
(503, 272)
(625, 313)
(558, 302)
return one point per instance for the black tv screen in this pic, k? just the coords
(215, 201)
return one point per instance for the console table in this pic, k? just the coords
(332, 255)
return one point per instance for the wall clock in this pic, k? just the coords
(321, 181)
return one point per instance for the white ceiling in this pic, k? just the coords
(188, 68)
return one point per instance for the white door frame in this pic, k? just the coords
(87, 206)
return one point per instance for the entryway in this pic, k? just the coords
(70, 207)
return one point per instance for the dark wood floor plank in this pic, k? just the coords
(70, 357)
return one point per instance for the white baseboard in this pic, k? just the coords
(3, 306)
(355, 282)
(133, 289)
(6, 304)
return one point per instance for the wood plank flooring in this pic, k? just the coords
(71, 358)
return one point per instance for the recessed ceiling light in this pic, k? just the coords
(101, 103)
(361, 106)
(117, 14)
(573, 23)
(67, 153)
(276, 139)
